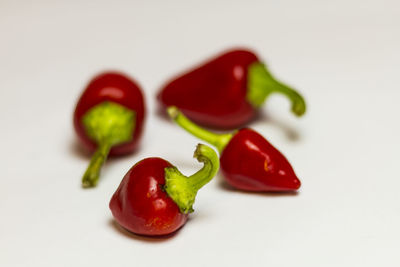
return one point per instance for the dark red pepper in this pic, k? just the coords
(248, 161)
(154, 198)
(108, 119)
(226, 91)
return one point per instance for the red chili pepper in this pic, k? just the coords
(155, 198)
(227, 91)
(108, 119)
(248, 161)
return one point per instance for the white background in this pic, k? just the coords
(342, 55)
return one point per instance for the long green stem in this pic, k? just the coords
(92, 174)
(261, 84)
(182, 189)
(217, 140)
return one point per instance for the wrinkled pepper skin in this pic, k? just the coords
(249, 162)
(214, 94)
(114, 87)
(140, 204)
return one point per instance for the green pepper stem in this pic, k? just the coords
(107, 124)
(182, 189)
(261, 84)
(218, 140)
(92, 174)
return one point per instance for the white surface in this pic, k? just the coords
(342, 55)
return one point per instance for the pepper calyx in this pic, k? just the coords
(183, 189)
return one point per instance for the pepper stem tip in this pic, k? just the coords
(173, 112)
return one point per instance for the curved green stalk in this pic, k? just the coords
(218, 140)
(182, 189)
(261, 84)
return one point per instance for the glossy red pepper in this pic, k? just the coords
(108, 119)
(227, 91)
(248, 161)
(154, 198)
